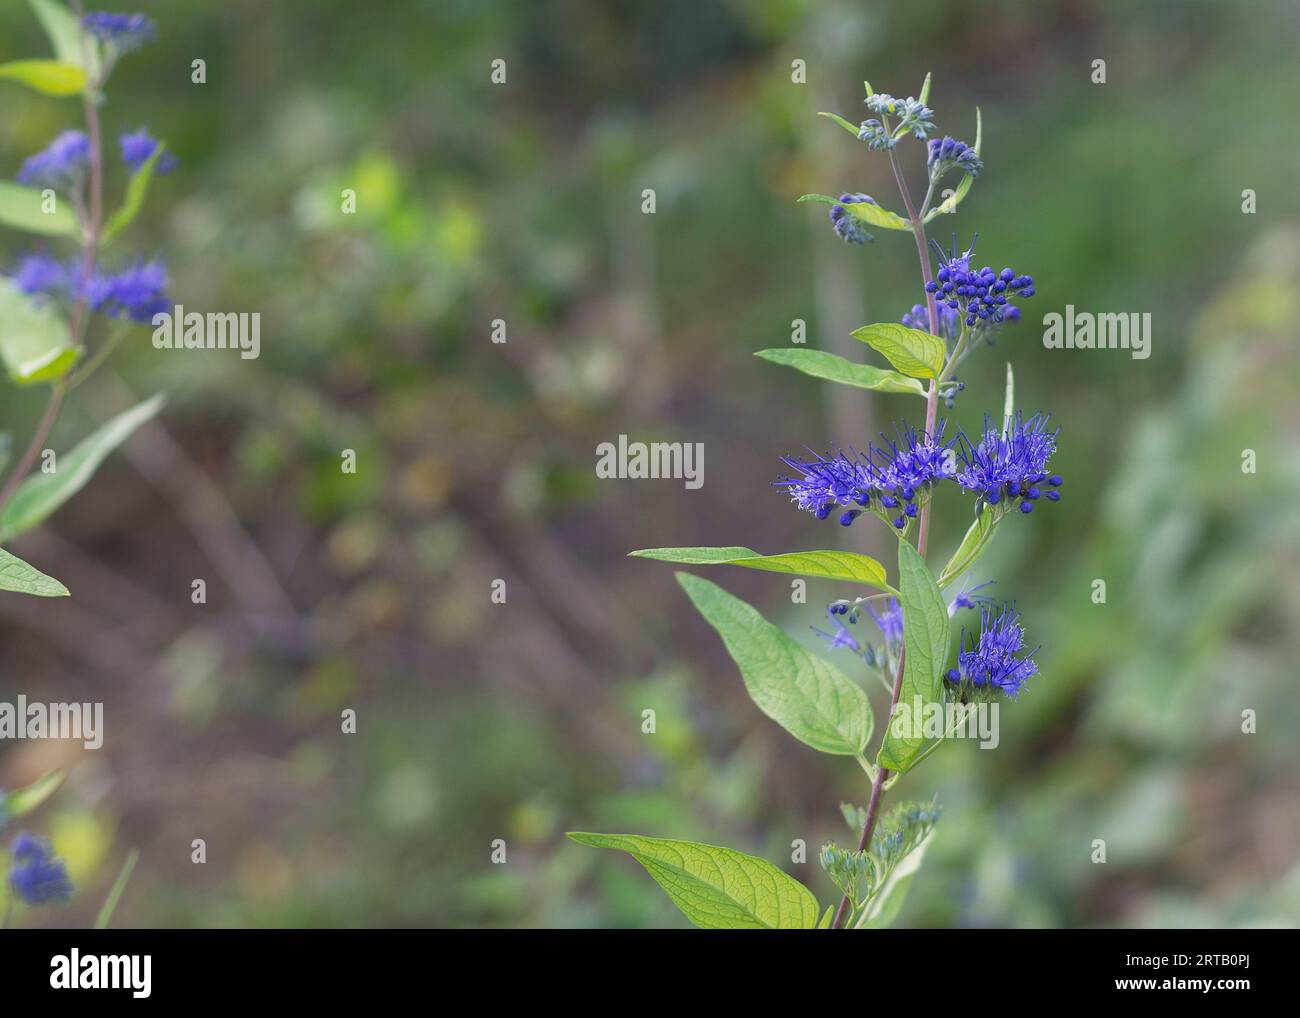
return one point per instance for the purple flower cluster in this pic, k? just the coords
(37, 875)
(137, 292)
(949, 320)
(983, 295)
(890, 476)
(948, 154)
(124, 32)
(60, 164)
(138, 148)
(990, 661)
(847, 225)
(1013, 465)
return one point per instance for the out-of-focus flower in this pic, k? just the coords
(37, 875)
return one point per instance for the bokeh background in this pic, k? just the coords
(476, 461)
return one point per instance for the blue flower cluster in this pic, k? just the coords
(60, 164)
(37, 876)
(138, 148)
(889, 619)
(124, 32)
(913, 115)
(847, 225)
(1011, 465)
(136, 292)
(949, 320)
(989, 662)
(983, 295)
(890, 478)
(948, 154)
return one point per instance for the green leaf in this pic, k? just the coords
(826, 565)
(115, 893)
(21, 208)
(834, 368)
(34, 338)
(911, 351)
(23, 800)
(806, 695)
(825, 922)
(136, 193)
(18, 576)
(924, 97)
(865, 211)
(49, 77)
(41, 494)
(1009, 401)
(71, 44)
(885, 905)
(925, 641)
(972, 545)
(717, 888)
(853, 130)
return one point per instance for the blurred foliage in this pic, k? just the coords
(521, 202)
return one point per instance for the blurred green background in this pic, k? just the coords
(522, 202)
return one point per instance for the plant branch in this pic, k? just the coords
(92, 227)
(931, 414)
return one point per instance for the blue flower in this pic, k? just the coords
(914, 462)
(951, 154)
(37, 876)
(969, 597)
(138, 292)
(60, 164)
(124, 32)
(983, 296)
(847, 225)
(138, 149)
(1014, 465)
(841, 638)
(890, 621)
(40, 273)
(990, 661)
(892, 477)
(829, 481)
(949, 320)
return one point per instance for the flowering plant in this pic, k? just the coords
(62, 316)
(1004, 471)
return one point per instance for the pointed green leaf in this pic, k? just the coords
(924, 97)
(34, 338)
(911, 351)
(825, 922)
(863, 210)
(1009, 401)
(18, 576)
(115, 893)
(49, 77)
(717, 888)
(886, 903)
(827, 565)
(972, 546)
(23, 209)
(136, 193)
(833, 368)
(71, 45)
(41, 494)
(23, 800)
(841, 121)
(806, 695)
(925, 640)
